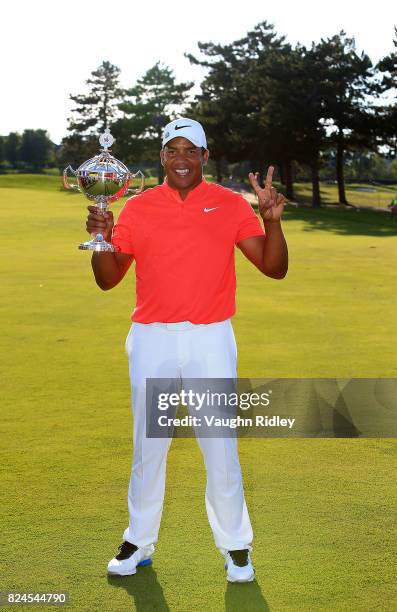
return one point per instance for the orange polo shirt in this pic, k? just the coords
(184, 251)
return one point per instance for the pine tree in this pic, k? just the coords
(388, 113)
(97, 109)
(147, 107)
(234, 96)
(346, 86)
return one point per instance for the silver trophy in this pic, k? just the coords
(104, 179)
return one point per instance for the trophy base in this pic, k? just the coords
(98, 244)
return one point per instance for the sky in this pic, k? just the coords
(48, 48)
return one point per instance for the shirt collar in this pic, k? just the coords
(192, 193)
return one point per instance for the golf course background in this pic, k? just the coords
(323, 510)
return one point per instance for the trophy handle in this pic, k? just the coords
(141, 186)
(65, 181)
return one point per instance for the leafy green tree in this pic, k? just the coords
(75, 149)
(97, 109)
(12, 148)
(147, 107)
(36, 150)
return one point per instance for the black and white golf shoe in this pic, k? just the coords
(129, 558)
(238, 566)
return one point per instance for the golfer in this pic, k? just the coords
(182, 235)
(393, 207)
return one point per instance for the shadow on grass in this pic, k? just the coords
(344, 222)
(143, 588)
(247, 596)
(146, 593)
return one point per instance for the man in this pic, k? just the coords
(393, 208)
(182, 236)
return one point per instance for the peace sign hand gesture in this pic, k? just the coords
(271, 203)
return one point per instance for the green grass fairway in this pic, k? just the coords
(323, 510)
(356, 193)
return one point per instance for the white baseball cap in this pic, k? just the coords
(187, 128)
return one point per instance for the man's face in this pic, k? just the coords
(183, 163)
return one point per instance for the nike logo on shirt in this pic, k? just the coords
(209, 209)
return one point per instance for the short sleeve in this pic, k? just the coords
(248, 224)
(122, 231)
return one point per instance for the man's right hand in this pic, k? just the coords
(109, 267)
(98, 223)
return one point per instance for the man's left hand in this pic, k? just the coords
(271, 203)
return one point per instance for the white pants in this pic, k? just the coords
(183, 350)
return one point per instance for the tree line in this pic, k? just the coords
(33, 150)
(262, 100)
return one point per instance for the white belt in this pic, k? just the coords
(179, 326)
(182, 325)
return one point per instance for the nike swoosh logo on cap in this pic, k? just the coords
(179, 127)
(209, 209)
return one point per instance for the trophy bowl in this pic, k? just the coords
(103, 179)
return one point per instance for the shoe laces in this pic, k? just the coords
(126, 549)
(239, 557)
